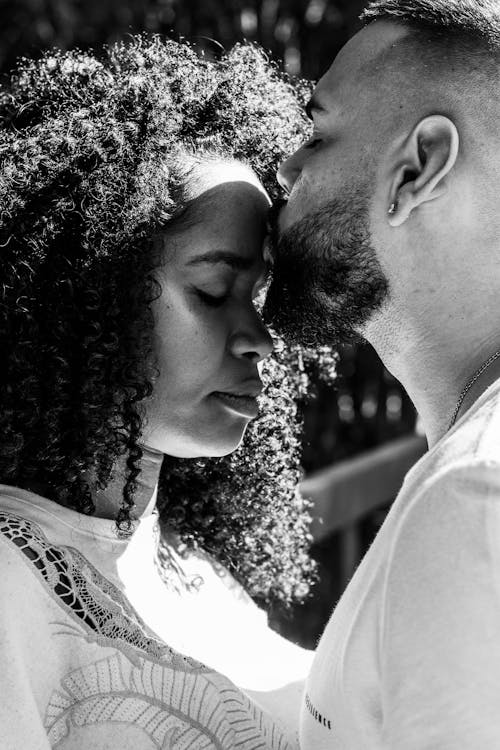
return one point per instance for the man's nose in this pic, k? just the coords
(290, 170)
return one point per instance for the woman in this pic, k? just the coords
(130, 260)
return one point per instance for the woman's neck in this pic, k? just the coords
(108, 500)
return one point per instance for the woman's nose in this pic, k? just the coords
(289, 171)
(252, 340)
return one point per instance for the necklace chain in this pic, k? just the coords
(470, 383)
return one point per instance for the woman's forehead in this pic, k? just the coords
(227, 220)
(214, 177)
(234, 211)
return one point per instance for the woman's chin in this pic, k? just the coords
(218, 451)
(222, 441)
(220, 445)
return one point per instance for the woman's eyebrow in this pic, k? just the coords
(238, 262)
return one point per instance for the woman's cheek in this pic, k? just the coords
(191, 339)
(209, 344)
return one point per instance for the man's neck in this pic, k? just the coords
(435, 372)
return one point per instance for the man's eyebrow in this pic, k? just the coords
(238, 262)
(313, 105)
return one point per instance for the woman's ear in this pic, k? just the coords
(422, 165)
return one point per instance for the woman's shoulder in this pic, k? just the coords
(23, 596)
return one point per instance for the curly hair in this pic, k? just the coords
(92, 157)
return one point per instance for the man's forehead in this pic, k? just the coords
(352, 64)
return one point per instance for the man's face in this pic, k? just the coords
(328, 279)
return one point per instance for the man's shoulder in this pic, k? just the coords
(476, 437)
(451, 499)
(453, 488)
(466, 462)
(452, 514)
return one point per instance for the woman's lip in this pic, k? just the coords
(242, 404)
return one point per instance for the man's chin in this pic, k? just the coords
(309, 336)
(301, 322)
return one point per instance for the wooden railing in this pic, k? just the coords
(348, 492)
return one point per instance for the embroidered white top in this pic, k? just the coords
(411, 656)
(80, 670)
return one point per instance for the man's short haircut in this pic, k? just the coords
(474, 24)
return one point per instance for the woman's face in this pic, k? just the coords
(209, 338)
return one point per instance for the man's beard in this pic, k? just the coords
(327, 281)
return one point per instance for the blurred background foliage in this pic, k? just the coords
(366, 406)
(305, 34)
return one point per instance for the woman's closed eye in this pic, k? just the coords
(312, 142)
(212, 300)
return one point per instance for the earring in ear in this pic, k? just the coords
(393, 208)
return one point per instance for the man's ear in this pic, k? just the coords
(422, 164)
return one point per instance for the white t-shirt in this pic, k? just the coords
(79, 669)
(410, 659)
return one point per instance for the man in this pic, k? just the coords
(392, 231)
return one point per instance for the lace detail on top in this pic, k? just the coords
(144, 694)
(84, 590)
